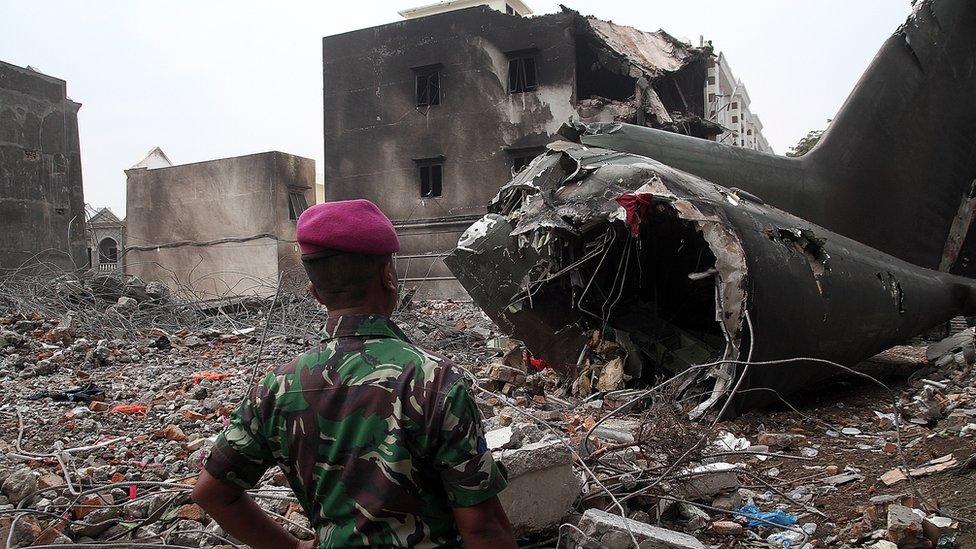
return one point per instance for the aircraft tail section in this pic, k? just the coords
(896, 169)
(898, 163)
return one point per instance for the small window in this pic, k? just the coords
(520, 162)
(521, 74)
(296, 204)
(711, 98)
(108, 251)
(510, 10)
(749, 132)
(735, 119)
(711, 80)
(735, 104)
(431, 178)
(522, 157)
(428, 89)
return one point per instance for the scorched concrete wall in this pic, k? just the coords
(375, 132)
(175, 214)
(42, 215)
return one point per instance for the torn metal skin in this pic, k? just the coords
(556, 259)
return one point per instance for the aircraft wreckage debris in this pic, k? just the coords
(687, 280)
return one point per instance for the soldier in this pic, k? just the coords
(380, 441)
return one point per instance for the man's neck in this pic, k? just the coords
(364, 310)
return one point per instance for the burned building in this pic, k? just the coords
(425, 116)
(42, 205)
(218, 228)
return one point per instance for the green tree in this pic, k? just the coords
(805, 144)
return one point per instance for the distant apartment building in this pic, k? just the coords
(429, 116)
(42, 204)
(727, 103)
(106, 240)
(220, 228)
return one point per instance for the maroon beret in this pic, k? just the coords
(356, 226)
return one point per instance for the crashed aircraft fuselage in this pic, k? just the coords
(682, 271)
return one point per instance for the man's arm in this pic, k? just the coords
(485, 526)
(240, 517)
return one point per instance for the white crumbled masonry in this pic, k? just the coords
(610, 531)
(542, 486)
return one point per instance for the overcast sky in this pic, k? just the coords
(208, 79)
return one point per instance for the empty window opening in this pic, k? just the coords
(510, 10)
(735, 104)
(735, 119)
(431, 179)
(595, 79)
(108, 251)
(521, 74)
(296, 204)
(520, 158)
(428, 89)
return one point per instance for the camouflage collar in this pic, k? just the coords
(362, 326)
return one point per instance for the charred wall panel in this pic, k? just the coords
(42, 214)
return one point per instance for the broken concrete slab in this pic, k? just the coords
(498, 439)
(707, 481)
(542, 485)
(606, 530)
(843, 478)
(904, 526)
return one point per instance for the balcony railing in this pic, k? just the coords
(108, 266)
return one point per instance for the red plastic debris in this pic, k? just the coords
(538, 364)
(130, 409)
(212, 376)
(636, 206)
(133, 492)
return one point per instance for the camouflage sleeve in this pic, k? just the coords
(241, 454)
(468, 472)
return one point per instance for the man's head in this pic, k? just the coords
(347, 249)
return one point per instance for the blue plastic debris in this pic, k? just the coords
(760, 518)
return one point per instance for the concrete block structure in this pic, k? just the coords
(42, 204)
(220, 228)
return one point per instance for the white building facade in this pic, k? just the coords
(727, 103)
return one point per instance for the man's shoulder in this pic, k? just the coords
(379, 353)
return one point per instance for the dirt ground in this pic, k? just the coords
(852, 402)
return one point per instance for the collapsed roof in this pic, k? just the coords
(659, 78)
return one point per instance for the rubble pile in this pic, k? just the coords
(104, 424)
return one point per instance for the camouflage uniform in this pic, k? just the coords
(377, 438)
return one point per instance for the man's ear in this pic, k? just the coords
(315, 293)
(389, 276)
